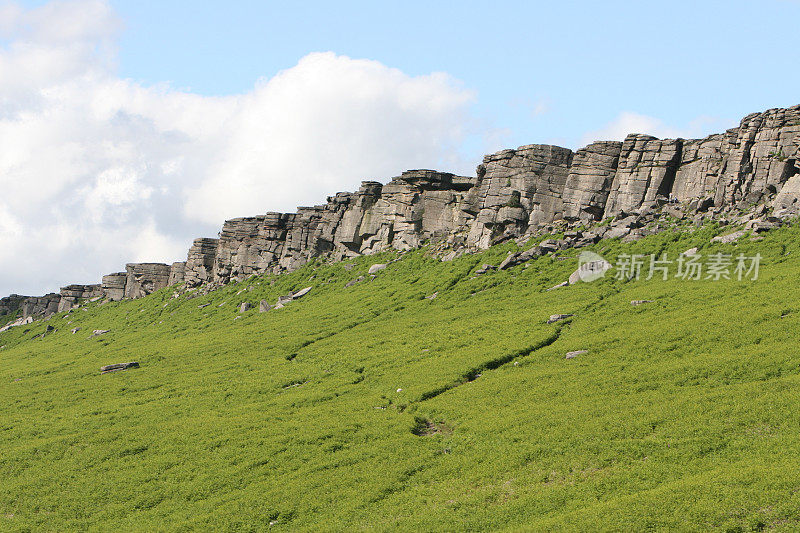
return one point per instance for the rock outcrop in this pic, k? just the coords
(72, 295)
(114, 285)
(145, 278)
(513, 194)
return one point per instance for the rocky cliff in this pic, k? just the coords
(514, 193)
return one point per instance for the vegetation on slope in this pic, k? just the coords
(374, 407)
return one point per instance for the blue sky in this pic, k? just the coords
(543, 71)
(131, 127)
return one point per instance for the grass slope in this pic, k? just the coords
(375, 408)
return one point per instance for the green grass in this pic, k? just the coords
(375, 408)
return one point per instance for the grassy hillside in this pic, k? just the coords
(375, 408)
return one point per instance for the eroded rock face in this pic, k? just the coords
(10, 305)
(41, 305)
(177, 271)
(513, 194)
(114, 285)
(145, 278)
(72, 295)
(199, 267)
(646, 169)
(589, 181)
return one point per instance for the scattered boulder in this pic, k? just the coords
(376, 268)
(760, 225)
(576, 353)
(299, 294)
(98, 332)
(730, 238)
(562, 284)
(557, 318)
(203, 305)
(690, 251)
(640, 302)
(118, 366)
(244, 307)
(353, 282)
(432, 296)
(589, 271)
(617, 232)
(517, 258)
(549, 245)
(263, 306)
(484, 269)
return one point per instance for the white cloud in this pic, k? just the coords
(628, 122)
(96, 170)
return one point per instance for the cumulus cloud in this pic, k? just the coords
(96, 170)
(628, 122)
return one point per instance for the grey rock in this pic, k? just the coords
(640, 302)
(557, 318)
(299, 294)
(263, 306)
(145, 278)
(576, 353)
(729, 238)
(118, 366)
(562, 284)
(244, 307)
(484, 269)
(617, 232)
(98, 332)
(376, 268)
(589, 271)
(353, 282)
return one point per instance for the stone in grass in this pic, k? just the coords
(576, 353)
(556, 318)
(118, 366)
(730, 238)
(264, 306)
(376, 268)
(563, 284)
(640, 302)
(75, 330)
(244, 307)
(98, 332)
(299, 294)
(353, 282)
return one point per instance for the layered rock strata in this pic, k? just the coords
(514, 193)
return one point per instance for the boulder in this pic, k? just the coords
(98, 332)
(263, 306)
(376, 268)
(484, 269)
(556, 318)
(353, 282)
(299, 294)
(729, 238)
(244, 307)
(640, 302)
(576, 353)
(116, 367)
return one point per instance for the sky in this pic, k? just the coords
(128, 128)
